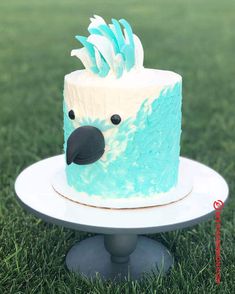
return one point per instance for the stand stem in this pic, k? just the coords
(120, 246)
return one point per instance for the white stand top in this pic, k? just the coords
(34, 190)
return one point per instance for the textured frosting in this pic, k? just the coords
(110, 49)
(142, 152)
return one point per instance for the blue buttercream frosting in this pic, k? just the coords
(148, 165)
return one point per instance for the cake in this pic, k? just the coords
(122, 121)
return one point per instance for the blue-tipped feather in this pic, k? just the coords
(128, 50)
(91, 52)
(119, 34)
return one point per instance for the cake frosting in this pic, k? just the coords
(122, 122)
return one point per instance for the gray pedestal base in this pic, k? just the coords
(117, 257)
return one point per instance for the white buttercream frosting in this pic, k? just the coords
(110, 95)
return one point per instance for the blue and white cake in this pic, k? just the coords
(122, 122)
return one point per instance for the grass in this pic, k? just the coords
(194, 38)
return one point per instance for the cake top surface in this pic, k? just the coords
(144, 77)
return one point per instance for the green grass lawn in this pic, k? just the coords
(193, 38)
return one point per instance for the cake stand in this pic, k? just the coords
(119, 252)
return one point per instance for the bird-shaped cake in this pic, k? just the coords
(122, 122)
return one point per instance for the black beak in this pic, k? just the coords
(85, 145)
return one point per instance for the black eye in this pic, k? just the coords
(71, 114)
(115, 119)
